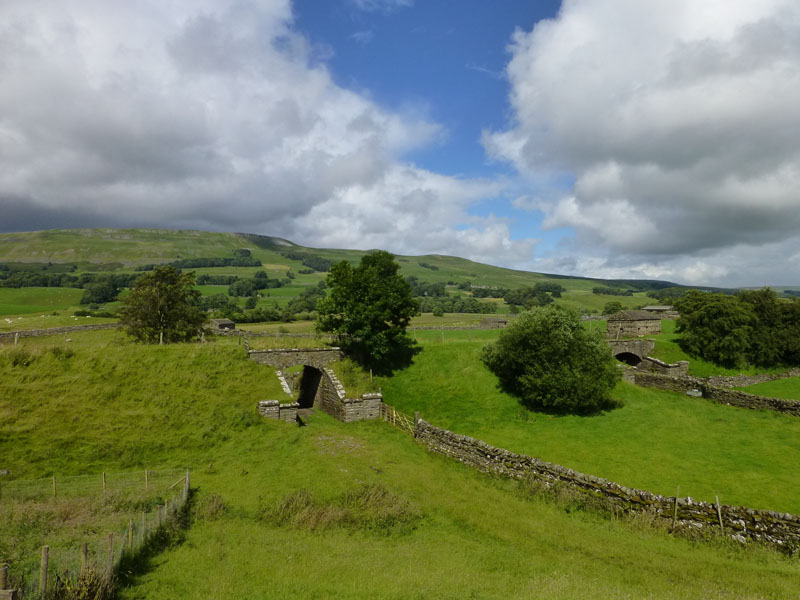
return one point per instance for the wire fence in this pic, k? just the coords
(96, 557)
(86, 485)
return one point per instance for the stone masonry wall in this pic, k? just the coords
(282, 358)
(57, 330)
(720, 395)
(272, 409)
(653, 365)
(332, 398)
(778, 529)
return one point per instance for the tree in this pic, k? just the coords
(162, 307)
(551, 362)
(612, 307)
(369, 307)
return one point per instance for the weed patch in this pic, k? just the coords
(369, 507)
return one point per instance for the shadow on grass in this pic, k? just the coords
(132, 567)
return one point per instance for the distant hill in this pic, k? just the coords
(125, 249)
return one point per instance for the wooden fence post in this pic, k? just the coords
(54, 486)
(719, 515)
(104, 481)
(43, 570)
(110, 555)
(130, 534)
(3, 576)
(84, 557)
(145, 479)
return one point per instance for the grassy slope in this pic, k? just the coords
(788, 389)
(471, 536)
(657, 441)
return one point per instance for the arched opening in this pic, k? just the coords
(309, 384)
(629, 358)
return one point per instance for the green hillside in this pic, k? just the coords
(331, 509)
(122, 250)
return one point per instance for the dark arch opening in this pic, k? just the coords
(629, 358)
(309, 384)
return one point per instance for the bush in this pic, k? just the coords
(552, 363)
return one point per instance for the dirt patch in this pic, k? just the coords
(334, 446)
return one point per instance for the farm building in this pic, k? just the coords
(633, 323)
(661, 311)
(494, 323)
(222, 324)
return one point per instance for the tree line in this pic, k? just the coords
(750, 327)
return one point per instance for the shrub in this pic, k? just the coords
(552, 363)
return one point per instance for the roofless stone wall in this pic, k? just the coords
(777, 529)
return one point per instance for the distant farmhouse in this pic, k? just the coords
(662, 311)
(633, 323)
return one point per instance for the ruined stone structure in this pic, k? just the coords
(318, 386)
(272, 409)
(632, 323)
(778, 529)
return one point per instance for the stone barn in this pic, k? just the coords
(662, 311)
(494, 323)
(632, 323)
(222, 325)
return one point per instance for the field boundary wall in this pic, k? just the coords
(720, 395)
(781, 530)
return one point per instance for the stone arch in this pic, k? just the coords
(629, 358)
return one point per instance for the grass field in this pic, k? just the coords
(25, 301)
(657, 441)
(788, 389)
(345, 510)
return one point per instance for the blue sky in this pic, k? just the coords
(605, 138)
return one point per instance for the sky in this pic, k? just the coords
(603, 138)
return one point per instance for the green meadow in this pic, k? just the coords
(355, 510)
(657, 441)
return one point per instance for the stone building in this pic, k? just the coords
(662, 311)
(222, 324)
(632, 323)
(494, 323)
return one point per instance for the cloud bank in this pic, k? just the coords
(678, 121)
(215, 115)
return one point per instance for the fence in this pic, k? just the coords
(398, 419)
(101, 555)
(85, 485)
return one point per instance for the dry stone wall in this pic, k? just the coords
(57, 330)
(720, 395)
(653, 365)
(777, 529)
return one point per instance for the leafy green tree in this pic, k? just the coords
(552, 363)
(612, 307)
(716, 327)
(369, 307)
(162, 307)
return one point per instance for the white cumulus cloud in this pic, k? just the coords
(678, 121)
